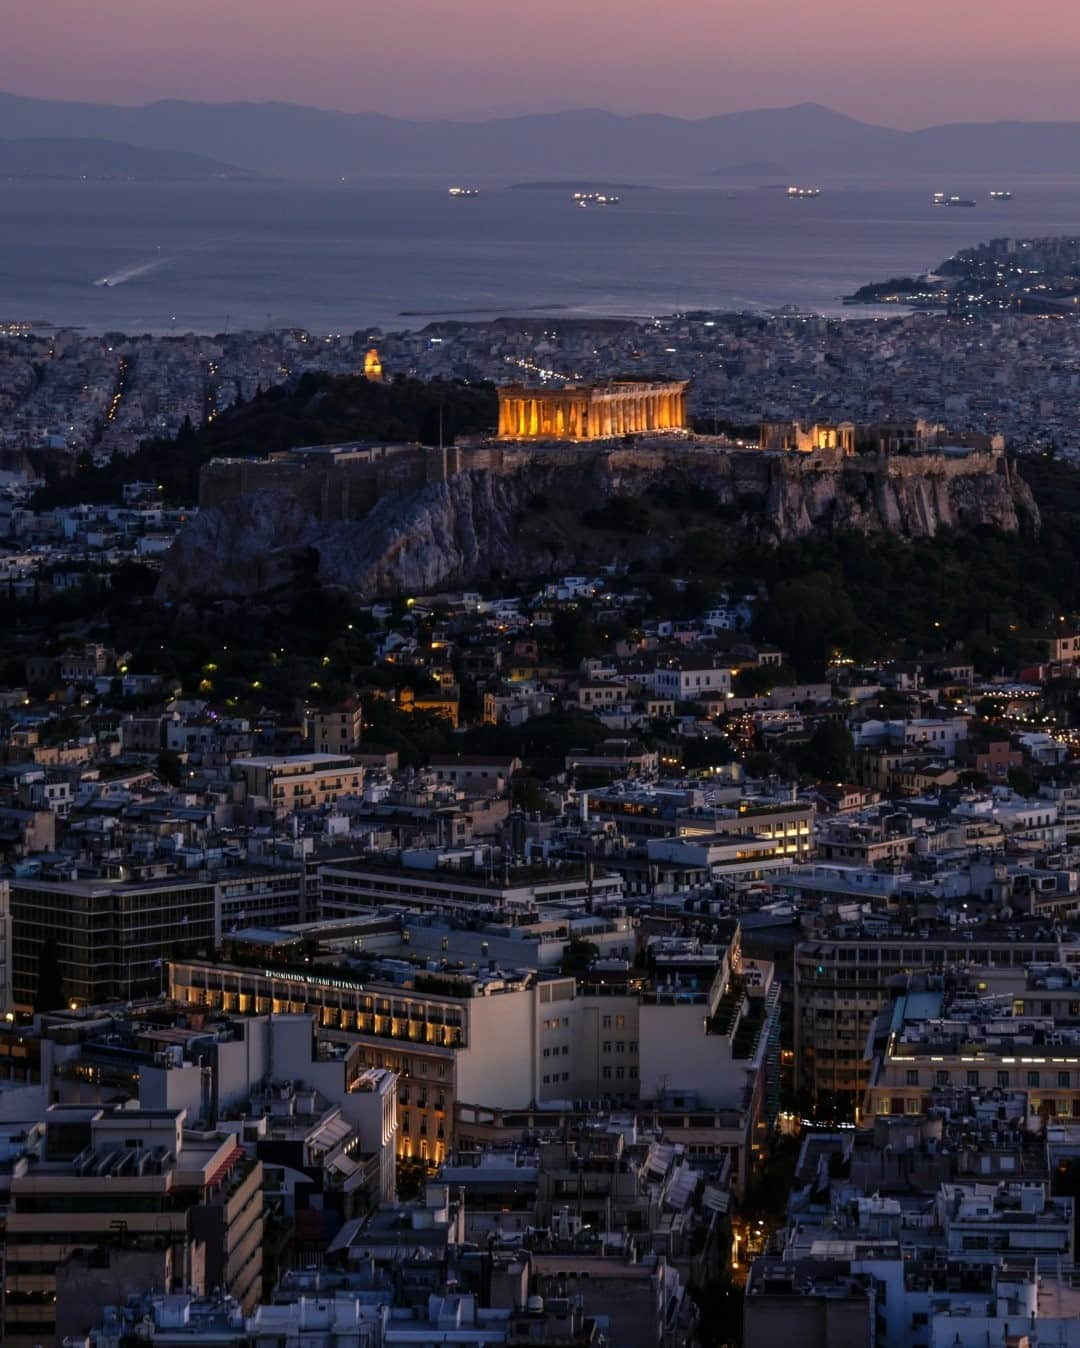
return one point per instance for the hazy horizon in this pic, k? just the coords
(905, 66)
(569, 108)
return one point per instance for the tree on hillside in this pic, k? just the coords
(829, 754)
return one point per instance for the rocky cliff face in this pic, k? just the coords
(526, 516)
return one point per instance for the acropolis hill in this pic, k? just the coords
(384, 519)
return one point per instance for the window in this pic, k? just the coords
(973, 1078)
(605, 1072)
(913, 1076)
(547, 1081)
(1003, 1078)
(606, 1046)
(620, 1073)
(1063, 1079)
(1033, 1078)
(942, 1078)
(912, 1105)
(620, 1022)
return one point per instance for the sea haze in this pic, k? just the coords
(334, 257)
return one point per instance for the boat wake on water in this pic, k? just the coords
(118, 278)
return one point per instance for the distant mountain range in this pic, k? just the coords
(80, 157)
(803, 142)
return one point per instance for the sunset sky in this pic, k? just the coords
(904, 64)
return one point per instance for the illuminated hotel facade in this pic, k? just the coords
(591, 411)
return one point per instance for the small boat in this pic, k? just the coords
(1001, 196)
(942, 199)
(464, 192)
(801, 192)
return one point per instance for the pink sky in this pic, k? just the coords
(900, 62)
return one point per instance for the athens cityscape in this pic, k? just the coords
(539, 675)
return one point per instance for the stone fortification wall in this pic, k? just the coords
(349, 489)
(432, 518)
(329, 490)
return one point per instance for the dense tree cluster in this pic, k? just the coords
(315, 409)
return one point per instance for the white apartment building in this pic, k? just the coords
(688, 678)
(278, 786)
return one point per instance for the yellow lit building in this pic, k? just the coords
(592, 411)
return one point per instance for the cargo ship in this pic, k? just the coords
(942, 199)
(804, 192)
(464, 192)
(1001, 196)
(595, 199)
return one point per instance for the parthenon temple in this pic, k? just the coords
(591, 411)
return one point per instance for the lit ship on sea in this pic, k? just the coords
(595, 199)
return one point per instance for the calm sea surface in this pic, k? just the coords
(337, 257)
